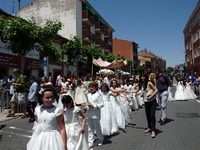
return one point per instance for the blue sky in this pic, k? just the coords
(156, 25)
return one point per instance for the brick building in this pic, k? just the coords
(192, 41)
(126, 48)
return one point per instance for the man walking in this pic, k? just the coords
(19, 95)
(162, 85)
(32, 98)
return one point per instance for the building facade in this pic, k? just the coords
(150, 61)
(126, 48)
(192, 41)
(78, 17)
(33, 60)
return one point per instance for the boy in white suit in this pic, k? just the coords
(95, 103)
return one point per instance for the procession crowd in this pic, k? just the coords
(77, 113)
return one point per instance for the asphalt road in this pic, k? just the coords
(181, 132)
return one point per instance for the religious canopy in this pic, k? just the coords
(113, 65)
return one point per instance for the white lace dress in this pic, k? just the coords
(46, 135)
(189, 91)
(75, 139)
(117, 110)
(108, 119)
(179, 93)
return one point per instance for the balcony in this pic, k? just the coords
(99, 28)
(108, 34)
(99, 43)
(88, 18)
(108, 47)
(88, 36)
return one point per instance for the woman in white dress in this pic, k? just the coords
(179, 93)
(116, 104)
(108, 119)
(189, 91)
(75, 132)
(49, 128)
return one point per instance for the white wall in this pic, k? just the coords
(63, 10)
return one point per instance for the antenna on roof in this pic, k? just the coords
(13, 8)
(19, 4)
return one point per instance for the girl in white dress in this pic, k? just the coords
(108, 120)
(64, 89)
(116, 104)
(179, 93)
(49, 127)
(75, 132)
(170, 97)
(189, 91)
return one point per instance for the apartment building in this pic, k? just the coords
(150, 61)
(78, 17)
(126, 48)
(192, 41)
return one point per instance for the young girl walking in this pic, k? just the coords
(49, 128)
(75, 132)
(108, 119)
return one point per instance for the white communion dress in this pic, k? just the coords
(75, 139)
(108, 119)
(179, 93)
(170, 97)
(189, 91)
(46, 135)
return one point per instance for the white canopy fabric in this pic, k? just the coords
(104, 64)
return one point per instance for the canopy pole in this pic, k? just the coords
(92, 67)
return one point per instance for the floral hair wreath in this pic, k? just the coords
(41, 91)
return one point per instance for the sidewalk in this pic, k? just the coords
(4, 113)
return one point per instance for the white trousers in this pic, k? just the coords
(94, 126)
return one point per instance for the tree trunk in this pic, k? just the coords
(22, 64)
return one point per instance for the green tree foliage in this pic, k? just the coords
(23, 35)
(73, 48)
(110, 57)
(140, 69)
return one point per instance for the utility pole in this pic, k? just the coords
(19, 4)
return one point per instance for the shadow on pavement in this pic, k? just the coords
(168, 120)
(107, 138)
(1, 127)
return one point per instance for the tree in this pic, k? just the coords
(110, 57)
(140, 69)
(170, 69)
(73, 48)
(23, 35)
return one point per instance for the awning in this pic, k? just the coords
(104, 64)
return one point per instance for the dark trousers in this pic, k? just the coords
(30, 105)
(150, 110)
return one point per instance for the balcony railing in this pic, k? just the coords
(99, 28)
(99, 42)
(88, 36)
(88, 18)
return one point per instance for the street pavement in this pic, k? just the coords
(181, 132)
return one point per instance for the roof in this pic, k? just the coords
(2, 12)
